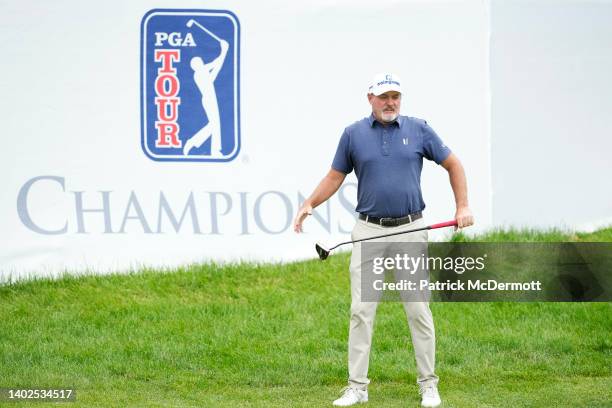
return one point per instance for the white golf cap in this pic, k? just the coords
(385, 82)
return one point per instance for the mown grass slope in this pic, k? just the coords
(276, 336)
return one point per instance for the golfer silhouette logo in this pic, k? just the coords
(190, 85)
(204, 76)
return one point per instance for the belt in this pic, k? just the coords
(391, 222)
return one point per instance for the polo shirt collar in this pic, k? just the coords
(372, 120)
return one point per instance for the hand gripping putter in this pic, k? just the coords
(324, 252)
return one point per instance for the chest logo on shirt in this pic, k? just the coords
(190, 85)
(405, 140)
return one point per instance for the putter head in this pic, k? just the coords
(322, 251)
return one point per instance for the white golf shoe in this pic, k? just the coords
(351, 396)
(430, 396)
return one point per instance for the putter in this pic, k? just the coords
(324, 252)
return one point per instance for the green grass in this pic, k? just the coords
(535, 235)
(276, 336)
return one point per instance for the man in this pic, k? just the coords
(204, 75)
(386, 151)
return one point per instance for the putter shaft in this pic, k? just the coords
(323, 254)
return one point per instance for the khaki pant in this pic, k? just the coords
(418, 314)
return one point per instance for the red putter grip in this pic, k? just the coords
(452, 223)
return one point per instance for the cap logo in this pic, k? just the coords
(387, 82)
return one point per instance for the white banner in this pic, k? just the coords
(138, 135)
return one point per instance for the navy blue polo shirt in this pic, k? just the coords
(388, 163)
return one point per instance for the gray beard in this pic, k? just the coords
(386, 118)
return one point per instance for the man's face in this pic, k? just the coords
(385, 106)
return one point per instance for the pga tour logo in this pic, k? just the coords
(190, 85)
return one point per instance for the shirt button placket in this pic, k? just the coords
(386, 142)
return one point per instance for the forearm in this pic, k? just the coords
(216, 65)
(326, 188)
(458, 183)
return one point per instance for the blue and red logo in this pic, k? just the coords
(190, 85)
